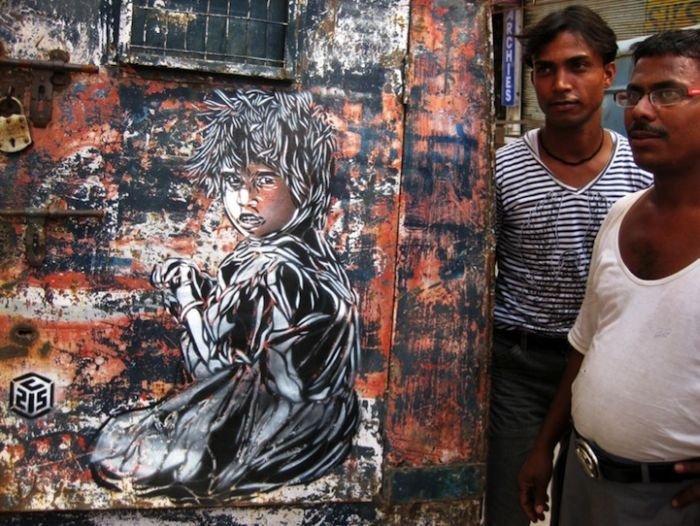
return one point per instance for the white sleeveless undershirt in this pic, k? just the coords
(637, 394)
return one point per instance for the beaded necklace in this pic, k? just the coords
(571, 163)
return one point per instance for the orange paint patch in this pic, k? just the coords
(372, 385)
(352, 112)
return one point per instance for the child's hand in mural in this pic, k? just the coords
(184, 286)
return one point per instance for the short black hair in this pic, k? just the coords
(675, 42)
(577, 19)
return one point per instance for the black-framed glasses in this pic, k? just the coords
(629, 98)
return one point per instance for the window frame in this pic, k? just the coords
(126, 55)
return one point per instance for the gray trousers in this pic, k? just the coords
(591, 502)
(523, 383)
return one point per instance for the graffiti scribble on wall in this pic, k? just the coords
(271, 343)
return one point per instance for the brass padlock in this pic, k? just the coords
(14, 129)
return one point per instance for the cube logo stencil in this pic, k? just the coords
(31, 395)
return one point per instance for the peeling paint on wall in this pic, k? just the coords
(438, 393)
(358, 38)
(32, 27)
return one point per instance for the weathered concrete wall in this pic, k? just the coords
(407, 85)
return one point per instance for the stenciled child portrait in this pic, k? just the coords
(271, 342)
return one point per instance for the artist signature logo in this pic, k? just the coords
(31, 395)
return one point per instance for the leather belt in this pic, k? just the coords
(598, 464)
(527, 339)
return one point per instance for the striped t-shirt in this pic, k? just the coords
(545, 231)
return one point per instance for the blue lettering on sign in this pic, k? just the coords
(508, 95)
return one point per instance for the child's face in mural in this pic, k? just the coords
(257, 199)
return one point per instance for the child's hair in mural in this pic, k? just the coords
(271, 343)
(282, 130)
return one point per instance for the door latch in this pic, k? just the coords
(46, 75)
(35, 234)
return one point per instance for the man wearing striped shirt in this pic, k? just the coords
(553, 188)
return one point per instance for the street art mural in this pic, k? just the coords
(271, 343)
(197, 342)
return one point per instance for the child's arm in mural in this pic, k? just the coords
(310, 338)
(185, 290)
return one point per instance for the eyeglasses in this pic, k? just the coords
(629, 98)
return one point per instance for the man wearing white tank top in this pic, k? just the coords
(632, 384)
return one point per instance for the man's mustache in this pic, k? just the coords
(646, 128)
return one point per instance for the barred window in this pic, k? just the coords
(245, 37)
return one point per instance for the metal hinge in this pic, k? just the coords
(35, 234)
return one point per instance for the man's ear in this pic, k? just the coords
(609, 70)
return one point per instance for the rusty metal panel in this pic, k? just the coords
(31, 28)
(408, 220)
(88, 325)
(438, 375)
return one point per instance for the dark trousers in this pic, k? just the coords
(593, 502)
(525, 374)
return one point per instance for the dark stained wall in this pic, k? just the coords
(438, 385)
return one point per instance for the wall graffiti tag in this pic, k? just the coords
(271, 343)
(31, 395)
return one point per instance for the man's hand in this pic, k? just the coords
(532, 483)
(692, 492)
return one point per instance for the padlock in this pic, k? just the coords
(14, 129)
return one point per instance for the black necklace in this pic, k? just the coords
(571, 163)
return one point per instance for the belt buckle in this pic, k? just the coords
(587, 458)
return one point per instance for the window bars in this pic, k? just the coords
(250, 37)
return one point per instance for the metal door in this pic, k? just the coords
(116, 226)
